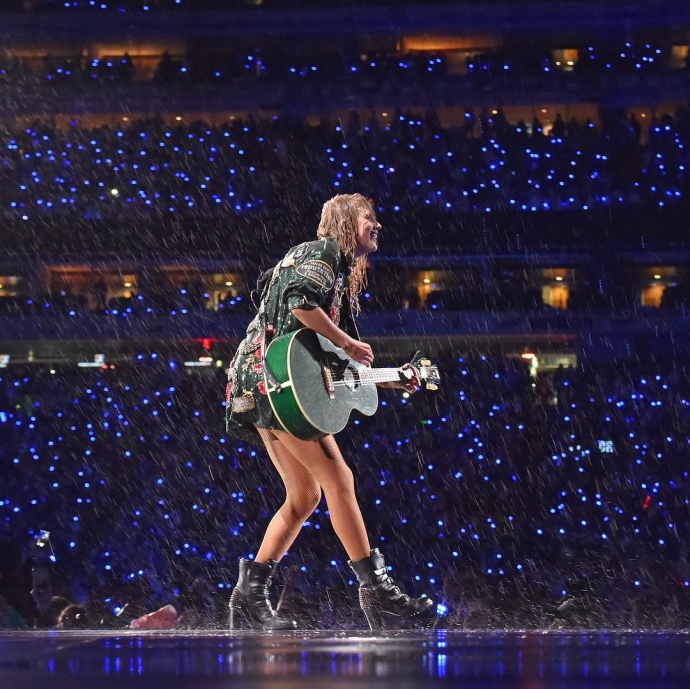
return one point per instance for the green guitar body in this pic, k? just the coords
(320, 385)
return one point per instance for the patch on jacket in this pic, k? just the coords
(317, 271)
(300, 251)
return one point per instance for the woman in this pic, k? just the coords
(316, 285)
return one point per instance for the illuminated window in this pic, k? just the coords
(556, 295)
(565, 58)
(679, 54)
(652, 295)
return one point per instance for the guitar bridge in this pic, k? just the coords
(328, 381)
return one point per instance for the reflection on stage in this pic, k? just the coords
(209, 659)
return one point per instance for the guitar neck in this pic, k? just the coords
(384, 375)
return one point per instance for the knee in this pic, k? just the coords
(342, 482)
(302, 505)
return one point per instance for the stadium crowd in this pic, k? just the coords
(557, 501)
(251, 166)
(347, 69)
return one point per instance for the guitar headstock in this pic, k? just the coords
(428, 374)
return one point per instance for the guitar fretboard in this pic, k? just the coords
(386, 375)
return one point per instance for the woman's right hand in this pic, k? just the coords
(359, 351)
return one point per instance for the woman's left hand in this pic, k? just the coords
(410, 384)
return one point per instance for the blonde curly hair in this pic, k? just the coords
(339, 221)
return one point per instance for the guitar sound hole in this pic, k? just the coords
(350, 378)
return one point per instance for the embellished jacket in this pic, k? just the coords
(312, 274)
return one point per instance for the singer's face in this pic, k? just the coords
(367, 232)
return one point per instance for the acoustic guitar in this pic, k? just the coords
(314, 386)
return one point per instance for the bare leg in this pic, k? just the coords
(302, 495)
(306, 466)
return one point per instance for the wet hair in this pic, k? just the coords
(339, 221)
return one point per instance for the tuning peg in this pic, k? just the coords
(425, 362)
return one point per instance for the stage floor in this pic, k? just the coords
(340, 660)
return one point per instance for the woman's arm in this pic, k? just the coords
(317, 320)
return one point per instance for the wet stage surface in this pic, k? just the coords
(339, 660)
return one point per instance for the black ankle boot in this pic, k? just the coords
(380, 597)
(250, 598)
